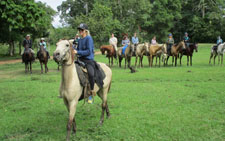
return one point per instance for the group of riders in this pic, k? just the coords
(135, 41)
(27, 43)
(84, 48)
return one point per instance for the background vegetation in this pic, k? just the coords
(204, 20)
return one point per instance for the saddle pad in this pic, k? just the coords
(81, 75)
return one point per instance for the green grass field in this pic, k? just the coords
(167, 103)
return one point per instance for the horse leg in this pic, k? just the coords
(125, 62)
(167, 60)
(172, 60)
(46, 68)
(72, 110)
(221, 59)
(159, 61)
(120, 60)
(149, 61)
(210, 58)
(155, 61)
(103, 95)
(30, 67)
(136, 61)
(41, 67)
(218, 59)
(215, 59)
(112, 61)
(142, 61)
(129, 59)
(175, 61)
(25, 68)
(181, 59)
(187, 60)
(191, 60)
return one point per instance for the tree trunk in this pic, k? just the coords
(11, 48)
(20, 44)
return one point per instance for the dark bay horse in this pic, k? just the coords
(111, 53)
(28, 58)
(127, 55)
(188, 51)
(43, 58)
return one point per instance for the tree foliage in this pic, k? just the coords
(204, 20)
(18, 18)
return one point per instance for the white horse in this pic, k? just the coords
(141, 50)
(220, 52)
(70, 88)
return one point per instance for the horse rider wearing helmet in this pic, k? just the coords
(43, 43)
(170, 42)
(186, 39)
(218, 42)
(85, 52)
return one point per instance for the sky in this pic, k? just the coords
(54, 4)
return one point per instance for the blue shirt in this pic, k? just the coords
(85, 48)
(135, 40)
(220, 41)
(186, 38)
(124, 42)
(43, 44)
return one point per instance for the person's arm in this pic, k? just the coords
(24, 43)
(133, 40)
(30, 43)
(88, 50)
(123, 42)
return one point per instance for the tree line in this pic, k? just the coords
(204, 20)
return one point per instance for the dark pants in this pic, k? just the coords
(169, 46)
(90, 65)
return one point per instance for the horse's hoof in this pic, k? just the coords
(108, 117)
(100, 123)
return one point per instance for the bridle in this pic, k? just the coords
(70, 55)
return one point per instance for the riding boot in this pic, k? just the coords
(48, 55)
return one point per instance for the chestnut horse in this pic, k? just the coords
(110, 52)
(127, 55)
(28, 58)
(188, 51)
(153, 50)
(175, 52)
(43, 58)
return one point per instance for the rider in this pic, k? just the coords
(43, 43)
(153, 42)
(113, 41)
(27, 42)
(170, 43)
(125, 43)
(85, 52)
(135, 41)
(218, 42)
(186, 39)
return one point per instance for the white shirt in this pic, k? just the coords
(113, 41)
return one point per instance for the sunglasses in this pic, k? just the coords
(81, 30)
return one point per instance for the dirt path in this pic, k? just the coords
(20, 61)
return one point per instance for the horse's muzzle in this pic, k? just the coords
(56, 56)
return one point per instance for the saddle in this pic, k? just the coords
(215, 48)
(82, 72)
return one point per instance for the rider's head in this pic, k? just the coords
(218, 38)
(135, 34)
(186, 34)
(28, 37)
(112, 34)
(83, 29)
(42, 39)
(170, 35)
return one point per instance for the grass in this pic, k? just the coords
(171, 103)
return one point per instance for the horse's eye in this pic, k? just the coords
(67, 45)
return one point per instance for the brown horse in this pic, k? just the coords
(127, 55)
(28, 58)
(110, 52)
(141, 49)
(153, 50)
(188, 51)
(43, 58)
(174, 52)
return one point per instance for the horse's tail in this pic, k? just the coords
(109, 86)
